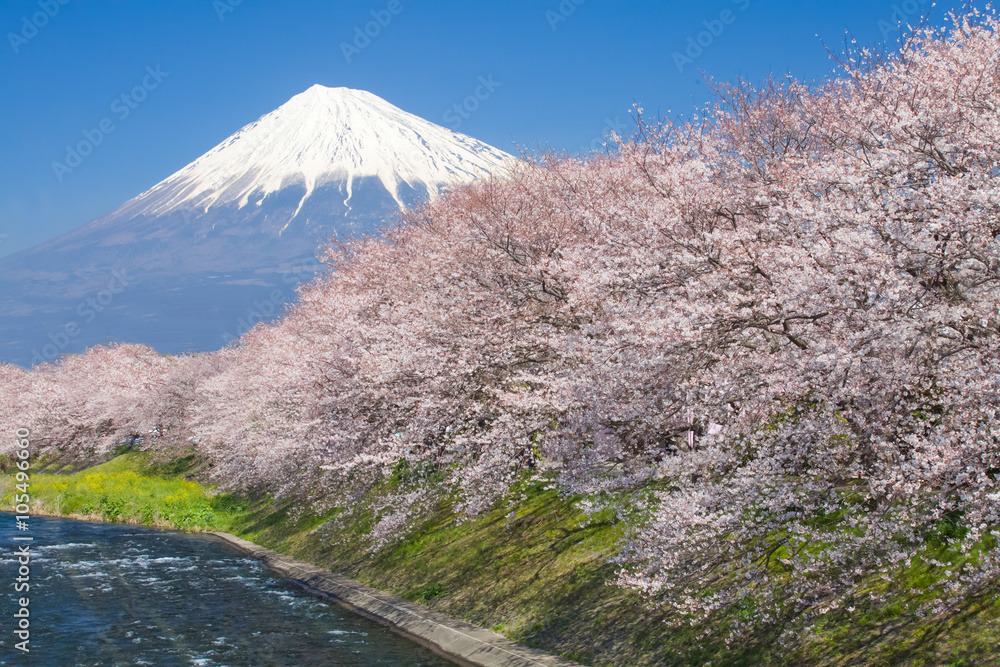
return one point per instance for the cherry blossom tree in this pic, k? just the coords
(87, 404)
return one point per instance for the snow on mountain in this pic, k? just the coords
(320, 136)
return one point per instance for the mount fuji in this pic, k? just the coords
(197, 259)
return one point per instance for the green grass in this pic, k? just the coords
(537, 571)
(539, 574)
(124, 490)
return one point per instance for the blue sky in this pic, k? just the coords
(194, 71)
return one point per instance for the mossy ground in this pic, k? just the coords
(537, 571)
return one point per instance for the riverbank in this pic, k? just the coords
(463, 642)
(535, 571)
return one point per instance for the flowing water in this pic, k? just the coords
(110, 594)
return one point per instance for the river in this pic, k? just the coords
(110, 594)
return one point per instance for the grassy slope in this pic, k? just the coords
(131, 488)
(539, 576)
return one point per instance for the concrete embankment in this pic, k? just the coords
(457, 640)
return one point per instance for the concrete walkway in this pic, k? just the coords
(457, 640)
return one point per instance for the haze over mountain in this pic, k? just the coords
(195, 260)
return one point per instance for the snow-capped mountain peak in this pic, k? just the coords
(320, 136)
(221, 243)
